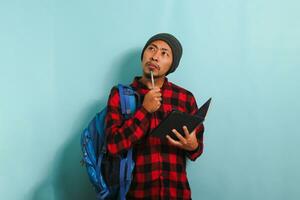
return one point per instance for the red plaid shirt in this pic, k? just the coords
(160, 169)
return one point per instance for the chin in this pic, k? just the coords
(147, 75)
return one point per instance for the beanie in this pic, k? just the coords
(173, 43)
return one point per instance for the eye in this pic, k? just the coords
(151, 48)
(165, 53)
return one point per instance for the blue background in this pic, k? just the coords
(59, 60)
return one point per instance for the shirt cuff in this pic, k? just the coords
(192, 155)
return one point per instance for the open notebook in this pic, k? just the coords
(177, 119)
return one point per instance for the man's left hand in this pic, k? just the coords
(189, 142)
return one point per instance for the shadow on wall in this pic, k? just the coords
(124, 69)
(67, 179)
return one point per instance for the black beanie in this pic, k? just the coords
(173, 43)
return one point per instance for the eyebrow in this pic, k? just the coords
(157, 47)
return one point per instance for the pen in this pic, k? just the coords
(152, 79)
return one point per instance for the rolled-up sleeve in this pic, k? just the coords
(193, 155)
(123, 133)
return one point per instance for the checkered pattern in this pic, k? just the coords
(160, 170)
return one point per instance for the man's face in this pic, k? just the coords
(158, 58)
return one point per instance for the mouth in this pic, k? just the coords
(152, 66)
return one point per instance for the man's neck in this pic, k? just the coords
(157, 81)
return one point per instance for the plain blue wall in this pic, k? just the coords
(59, 60)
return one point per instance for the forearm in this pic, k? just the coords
(123, 134)
(193, 155)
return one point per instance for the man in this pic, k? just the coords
(160, 165)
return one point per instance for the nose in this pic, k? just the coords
(155, 56)
(154, 59)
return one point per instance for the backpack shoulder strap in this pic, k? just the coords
(128, 100)
(129, 103)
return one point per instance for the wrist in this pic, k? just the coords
(195, 148)
(145, 107)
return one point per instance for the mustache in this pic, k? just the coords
(153, 64)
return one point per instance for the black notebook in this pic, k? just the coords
(177, 119)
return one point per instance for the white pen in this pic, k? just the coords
(152, 79)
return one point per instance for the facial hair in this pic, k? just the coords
(148, 76)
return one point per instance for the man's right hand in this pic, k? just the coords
(152, 100)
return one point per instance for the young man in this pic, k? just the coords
(160, 165)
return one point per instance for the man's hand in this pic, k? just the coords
(152, 100)
(189, 142)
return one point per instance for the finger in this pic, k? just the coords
(173, 142)
(179, 136)
(199, 129)
(193, 132)
(156, 89)
(196, 129)
(158, 106)
(157, 94)
(158, 99)
(154, 92)
(186, 131)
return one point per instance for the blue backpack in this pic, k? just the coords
(110, 175)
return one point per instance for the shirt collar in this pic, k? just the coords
(137, 85)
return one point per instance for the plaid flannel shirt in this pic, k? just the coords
(160, 168)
